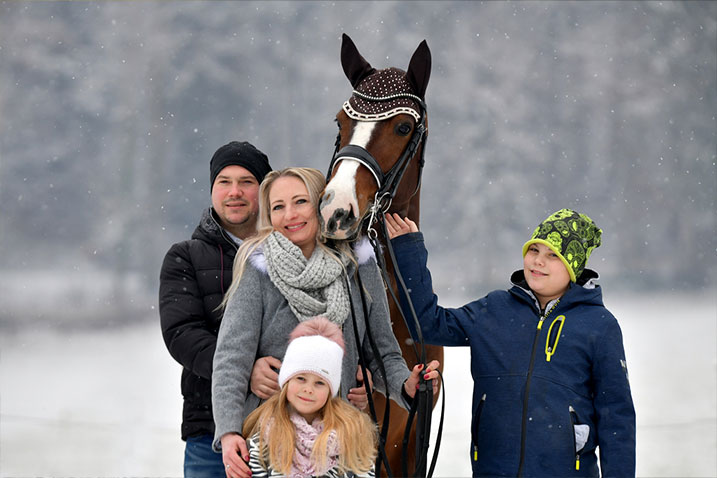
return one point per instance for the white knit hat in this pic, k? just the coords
(315, 354)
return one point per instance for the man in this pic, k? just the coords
(194, 277)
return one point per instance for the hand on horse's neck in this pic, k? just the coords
(410, 208)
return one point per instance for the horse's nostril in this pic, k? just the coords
(331, 226)
(344, 218)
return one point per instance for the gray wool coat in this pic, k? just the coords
(257, 323)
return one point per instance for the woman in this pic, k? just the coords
(285, 275)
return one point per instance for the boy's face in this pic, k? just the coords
(545, 273)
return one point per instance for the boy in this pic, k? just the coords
(547, 360)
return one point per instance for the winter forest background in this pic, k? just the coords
(110, 112)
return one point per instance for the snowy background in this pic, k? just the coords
(110, 111)
(104, 404)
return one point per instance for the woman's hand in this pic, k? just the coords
(264, 379)
(397, 226)
(235, 456)
(358, 396)
(431, 373)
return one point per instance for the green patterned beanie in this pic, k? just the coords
(571, 235)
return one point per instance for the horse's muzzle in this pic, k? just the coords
(337, 223)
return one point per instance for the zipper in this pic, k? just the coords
(229, 239)
(573, 422)
(222, 232)
(479, 410)
(524, 423)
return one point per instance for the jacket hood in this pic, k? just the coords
(210, 230)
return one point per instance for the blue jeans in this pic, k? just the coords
(200, 461)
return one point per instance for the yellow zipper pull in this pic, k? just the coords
(577, 462)
(540, 324)
(550, 348)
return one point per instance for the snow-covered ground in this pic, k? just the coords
(107, 403)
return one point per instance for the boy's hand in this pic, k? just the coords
(397, 226)
(431, 373)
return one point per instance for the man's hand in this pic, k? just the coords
(357, 396)
(431, 373)
(235, 456)
(264, 380)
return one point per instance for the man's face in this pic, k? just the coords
(235, 198)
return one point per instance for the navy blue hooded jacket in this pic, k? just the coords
(536, 374)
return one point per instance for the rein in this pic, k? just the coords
(387, 187)
(382, 370)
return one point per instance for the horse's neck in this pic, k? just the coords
(410, 208)
(414, 208)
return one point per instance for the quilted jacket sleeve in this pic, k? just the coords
(182, 315)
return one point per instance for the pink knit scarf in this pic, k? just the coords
(306, 435)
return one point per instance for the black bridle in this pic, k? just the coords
(387, 186)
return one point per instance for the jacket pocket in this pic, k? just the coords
(475, 425)
(581, 432)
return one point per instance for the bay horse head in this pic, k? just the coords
(382, 126)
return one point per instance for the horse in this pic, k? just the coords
(376, 168)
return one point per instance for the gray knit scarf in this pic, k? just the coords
(312, 287)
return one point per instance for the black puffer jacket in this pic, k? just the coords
(195, 275)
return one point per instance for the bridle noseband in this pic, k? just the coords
(388, 182)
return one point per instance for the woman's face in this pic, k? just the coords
(307, 393)
(293, 214)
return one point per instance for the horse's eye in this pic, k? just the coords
(403, 129)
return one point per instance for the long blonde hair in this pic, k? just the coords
(315, 183)
(356, 434)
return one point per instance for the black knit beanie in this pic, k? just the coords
(242, 154)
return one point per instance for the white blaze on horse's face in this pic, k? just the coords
(339, 206)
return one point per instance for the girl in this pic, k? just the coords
(306, 430)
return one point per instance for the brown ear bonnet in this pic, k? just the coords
(381, 94)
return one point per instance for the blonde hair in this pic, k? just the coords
(356, 435)
(315, 183)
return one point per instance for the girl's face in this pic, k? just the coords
(307, 393)
(545, 273)
(293, 214)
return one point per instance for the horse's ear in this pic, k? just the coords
(419, 69)
(355, 67)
